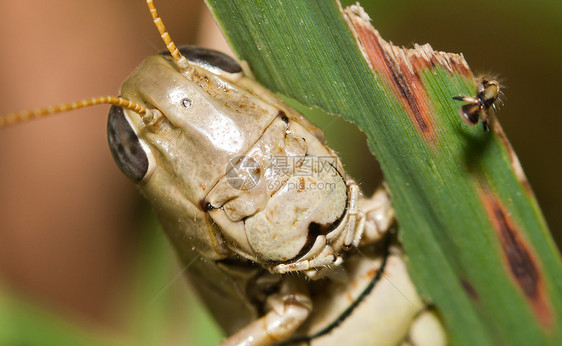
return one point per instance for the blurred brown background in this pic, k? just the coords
(69, 219)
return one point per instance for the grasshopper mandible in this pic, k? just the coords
(284, 247)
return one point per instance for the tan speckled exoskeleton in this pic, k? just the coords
(282, 247)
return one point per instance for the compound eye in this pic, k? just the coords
(125, 146)
(209, 57)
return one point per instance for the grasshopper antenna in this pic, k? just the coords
(180, 60)
(15, 118)
(146, 114)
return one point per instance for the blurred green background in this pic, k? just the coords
(81, 258)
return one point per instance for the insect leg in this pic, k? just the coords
(375, 217)
(324, 259)
(288, 310)
(352, 231)
(485, 126)
(467, 99)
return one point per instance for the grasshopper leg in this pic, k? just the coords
(288, 309)
(375, 217)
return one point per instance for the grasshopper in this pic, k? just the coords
(282, 246)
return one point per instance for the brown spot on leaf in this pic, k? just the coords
(403, 83)
(469, 289)
(401, 68)
(520, 260)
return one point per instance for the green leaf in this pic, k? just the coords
(478, 245)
